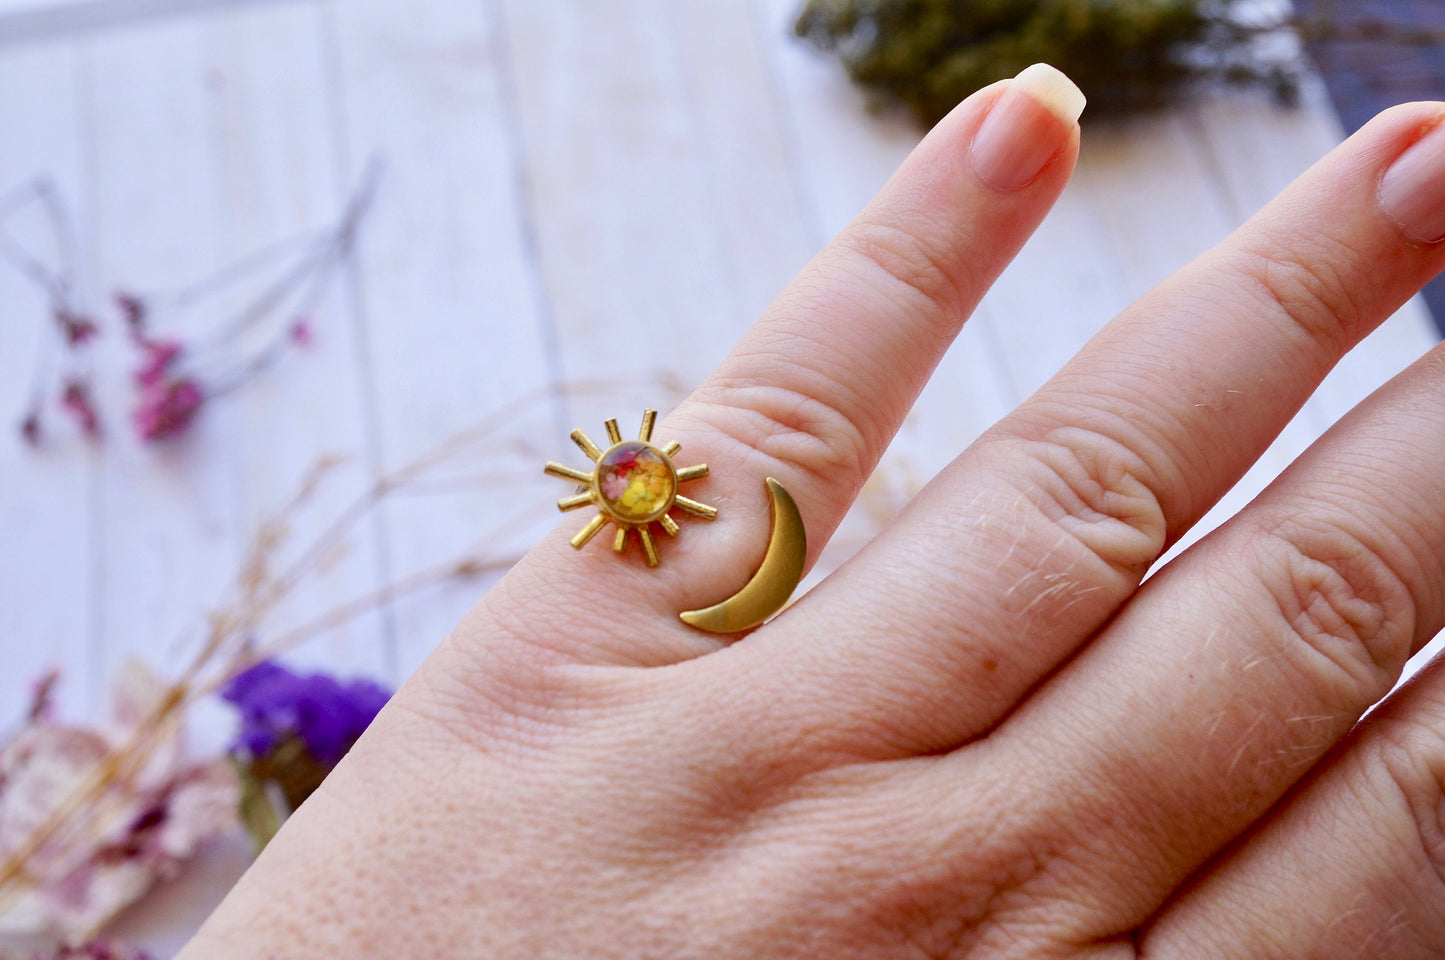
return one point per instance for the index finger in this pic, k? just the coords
(816, 390)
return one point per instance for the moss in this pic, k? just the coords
(1127, 55)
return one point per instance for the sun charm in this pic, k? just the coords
(633, 485)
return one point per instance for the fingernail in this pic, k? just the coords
(1026, 127)
(1412, 192)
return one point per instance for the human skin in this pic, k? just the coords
(981, 737)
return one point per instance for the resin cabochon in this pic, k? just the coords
(636, 482)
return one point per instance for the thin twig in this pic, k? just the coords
(307, 275)
(434, 576)
(258, 595)
(233, 272)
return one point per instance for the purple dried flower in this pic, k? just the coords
(252, 683)
(167, 408)
(277, 705)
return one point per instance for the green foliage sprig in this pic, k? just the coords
(1127, 55)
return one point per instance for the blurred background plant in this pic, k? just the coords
(254, 311)
(294, 730)
(1129, 55)
(93, 817)
(89, 823)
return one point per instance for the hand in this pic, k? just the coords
(981, 737)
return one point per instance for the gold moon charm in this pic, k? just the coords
(777, 578)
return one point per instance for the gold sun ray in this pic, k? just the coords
(633, 484)
(585, 442)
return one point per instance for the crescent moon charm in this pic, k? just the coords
(776, 579)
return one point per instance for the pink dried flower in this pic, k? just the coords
(42, 696)
(301, 332)
(167, 408)
(30, 428)
(95, 950)
(78, 328)
(133, 308)
(158, 357)
(78, 402)
(138, 832)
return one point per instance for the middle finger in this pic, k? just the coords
(1028, 542)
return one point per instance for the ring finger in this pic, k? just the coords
(1366, 838)
(1235, 668)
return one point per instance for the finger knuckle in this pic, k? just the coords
(1098, 490)
(906, 258)
(1312, 291)
(955, 909)
(789, 427)
(1340, 610)
(1410, 756)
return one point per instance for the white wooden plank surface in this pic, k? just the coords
(208, 141)
(279, 175)
(22, 20)
(572, 190)
(47, 533)
(631, 249)
(167, 530)
(455, 324)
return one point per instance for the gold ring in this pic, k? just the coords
(634, 484)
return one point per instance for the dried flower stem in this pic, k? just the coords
(258, 593)
(465, 482)
(433, 576)
(180, 376)
(58, 284)
(116, 767)
(308, 280)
